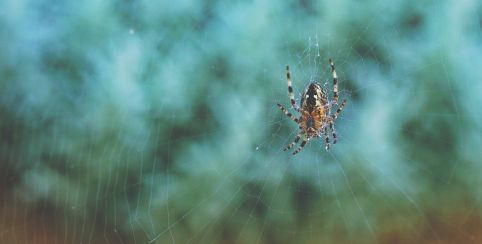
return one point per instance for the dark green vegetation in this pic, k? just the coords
(138, 121)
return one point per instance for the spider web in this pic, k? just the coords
(140, 122)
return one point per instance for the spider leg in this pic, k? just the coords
(303, 143)
(327, 138)
(333, 132)
(287, 113)
(294, 142)
(290, 89)
(338, 111)
(335, 81)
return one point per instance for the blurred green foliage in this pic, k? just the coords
(144, 121)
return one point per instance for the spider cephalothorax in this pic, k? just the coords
(315, 111)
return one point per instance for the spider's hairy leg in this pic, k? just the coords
(294, 142)
(290, 89)
(335, 81)
(338, 111)
(287, 113)
(333, 132)
(327, 138)
(303, 143)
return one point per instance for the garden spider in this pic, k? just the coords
(315, 112)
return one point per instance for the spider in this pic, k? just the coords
(315, 112)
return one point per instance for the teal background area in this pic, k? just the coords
(156, 122)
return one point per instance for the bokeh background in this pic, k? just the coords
(156, 122)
